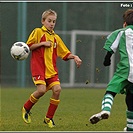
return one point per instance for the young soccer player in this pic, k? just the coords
(121, 39)
(46, 46)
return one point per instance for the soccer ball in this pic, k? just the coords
(19, 51)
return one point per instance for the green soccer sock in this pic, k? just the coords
(129, 120)
(107, 102)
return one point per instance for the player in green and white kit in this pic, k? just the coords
(122, 80)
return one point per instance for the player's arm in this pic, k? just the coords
(77, 60)
(33, 42)
(107, 59)
(37, 45)
(65, 54)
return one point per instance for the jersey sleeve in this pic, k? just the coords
(32, 38)
(62, 51)
(112, 41)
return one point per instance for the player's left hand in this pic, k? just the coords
(107, 59)
(78, 61)
(107, 62)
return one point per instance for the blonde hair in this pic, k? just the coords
(48, 12)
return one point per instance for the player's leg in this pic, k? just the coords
(116, 85)
(107, 103)
(129, 112)
(54, 102)
(34, 97)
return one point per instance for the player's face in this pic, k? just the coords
(50, 22)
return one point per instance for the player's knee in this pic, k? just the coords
(57, 90)
(41, 90)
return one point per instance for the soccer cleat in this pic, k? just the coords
(49, 122)
(125, 129)
(97, 117)
(26, 116)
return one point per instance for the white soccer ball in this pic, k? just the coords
(20, 51)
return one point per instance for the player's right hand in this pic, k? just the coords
(47, 43)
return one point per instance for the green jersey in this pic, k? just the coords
(122, 39)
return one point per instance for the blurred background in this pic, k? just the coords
(83, 26)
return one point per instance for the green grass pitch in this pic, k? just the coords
(75, 108)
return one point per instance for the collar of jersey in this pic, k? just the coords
(46, 30)
(130, 26)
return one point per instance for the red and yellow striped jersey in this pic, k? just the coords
(43, 59)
